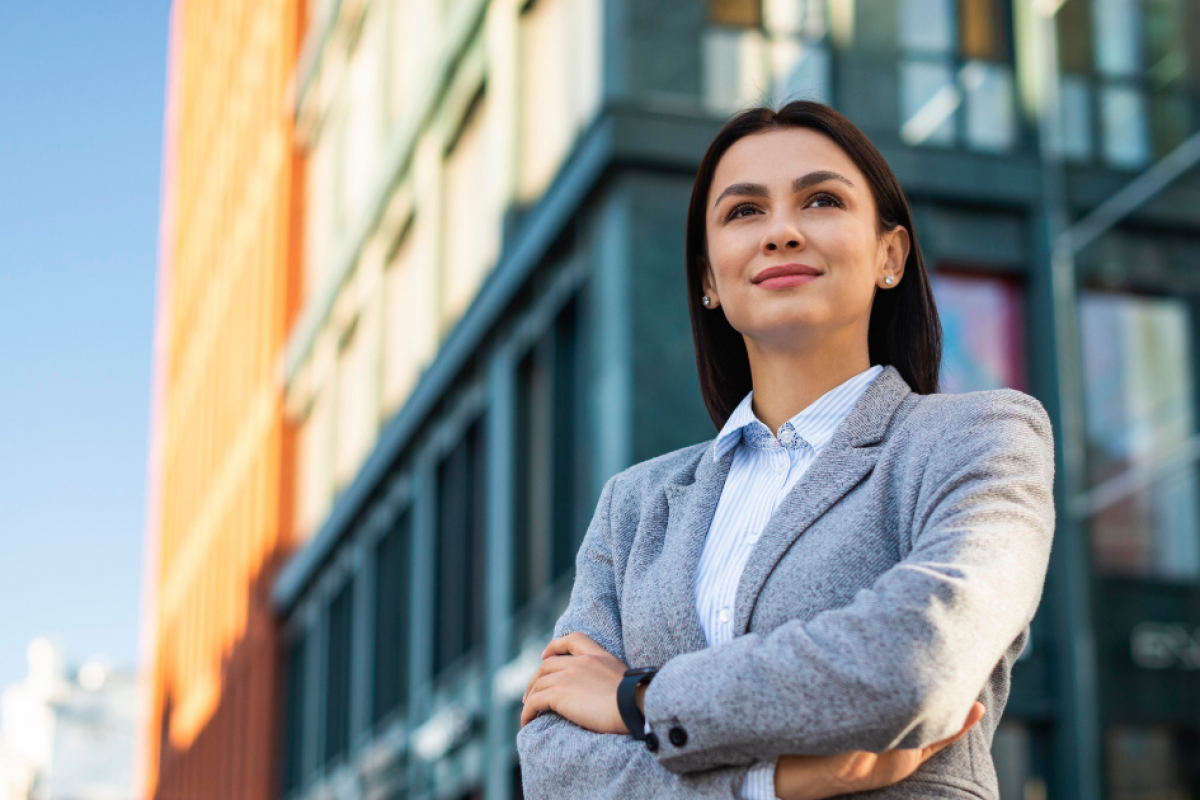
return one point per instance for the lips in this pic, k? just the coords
(785, 275)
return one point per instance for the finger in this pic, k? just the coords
(529, 686)
(973, 716)
(550, 665)
(539, 700)
(573, 644)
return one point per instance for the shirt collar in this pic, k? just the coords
(813, 427)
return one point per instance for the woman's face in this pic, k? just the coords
(793, 245)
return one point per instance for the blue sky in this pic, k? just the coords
(81, 100)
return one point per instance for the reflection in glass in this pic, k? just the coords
(771, 52)
(800, 71)
(928, 99)
(1116, 26)
(989, 97)
(982, 325)
(1140, 419)
(740, 13)
(927, 25)
(1075, 101)
(1123, 115)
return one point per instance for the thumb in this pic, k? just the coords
(973, 716)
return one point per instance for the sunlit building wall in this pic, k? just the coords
(425, 126)
(493, 323)
(220, 515)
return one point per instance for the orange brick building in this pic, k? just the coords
(217, 522)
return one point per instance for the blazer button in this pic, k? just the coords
(678, 736)
(652, 741)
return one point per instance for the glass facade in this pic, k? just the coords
(956, 84)
(1140, 404)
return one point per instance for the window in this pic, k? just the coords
(548, 469)
(471, 219)
(1151, 762)
(765, 51)
(409, 316)
(315, 461)
(364, 109)
(460, 546)
(559, 73)
(1140, 423)
(1123, 73)
(392, 581)
(1020, 752)
(337, 673)
(357, 400)
(736, 13)
(955, 77)
(294, 731)
(983, 332)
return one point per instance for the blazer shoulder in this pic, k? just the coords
(938, 413)
(649, 476)
(977, 422)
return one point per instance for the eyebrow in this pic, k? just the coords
(798, 185)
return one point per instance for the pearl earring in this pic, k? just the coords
(706, 301)
(889, 280)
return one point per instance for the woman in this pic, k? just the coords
(828, 596)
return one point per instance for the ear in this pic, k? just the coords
(894, 247)
(710, 286)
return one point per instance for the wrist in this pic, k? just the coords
(796, 779)
(641, 698)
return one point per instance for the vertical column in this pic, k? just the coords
(420, 630)
(1076, 737)
(361, 640)
(612, 407)
(316, 621)
(498, 577)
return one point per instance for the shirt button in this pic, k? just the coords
(678, 736)
(651, 742)
(724, 616)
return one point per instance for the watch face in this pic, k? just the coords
(629, 673)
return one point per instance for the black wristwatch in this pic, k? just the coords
(627, 700)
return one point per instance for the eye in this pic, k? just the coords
(737, 212)
(833, 200)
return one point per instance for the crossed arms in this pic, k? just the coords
(916, 647)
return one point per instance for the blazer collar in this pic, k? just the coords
(849, 457)
(692, 497)
(694, 491)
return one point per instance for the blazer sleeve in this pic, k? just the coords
(560, 759)
(901, 664)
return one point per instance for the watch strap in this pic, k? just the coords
(631, 715)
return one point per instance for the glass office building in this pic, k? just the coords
(494, 323)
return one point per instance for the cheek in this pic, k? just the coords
(729, 253)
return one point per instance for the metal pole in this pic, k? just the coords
(1076, 737)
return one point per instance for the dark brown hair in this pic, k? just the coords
(904, 330)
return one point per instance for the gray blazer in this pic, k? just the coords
(893, 587)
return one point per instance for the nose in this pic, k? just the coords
(783, 235)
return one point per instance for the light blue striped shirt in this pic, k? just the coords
(764, 470)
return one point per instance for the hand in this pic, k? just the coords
(578, 680)
(818, 777)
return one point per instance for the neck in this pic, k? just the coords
(787, 381)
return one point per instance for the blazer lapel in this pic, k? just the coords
(690, 509)
(847, 459)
